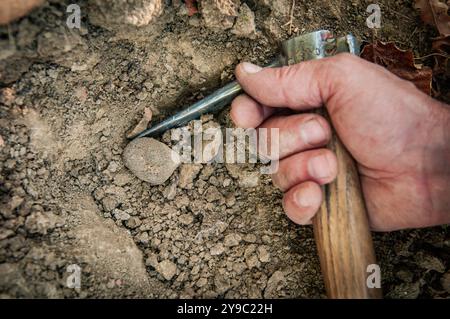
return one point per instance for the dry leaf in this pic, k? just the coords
(435, 13)
(143, 123)
(191, 6)
(11, 10)
(400, 62)
(441, 46)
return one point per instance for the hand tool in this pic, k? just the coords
(341, 228)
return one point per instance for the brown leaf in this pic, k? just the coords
(191, 6)
(400, 62)
(441, 46)
(434, 12)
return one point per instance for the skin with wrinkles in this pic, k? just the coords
(396, 134)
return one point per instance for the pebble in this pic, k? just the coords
(152, 261)
(170, 191)
(122, 179)
(133, 222)
(109, 203)
(245, 23)
(252, 261)
(186, 219)
(202, 282)
(263, 254)
(150, 160)
(143, 123)
(232, 240)
(167, 269)
(222, 284)
(249, 179)
(121, 215)
(40, 223)
(250, 238)
(217, 250)
(142, 238)
(188, 172)
(272, 284)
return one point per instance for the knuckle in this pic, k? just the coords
(346, 58)
(325, 125)
(285, 76)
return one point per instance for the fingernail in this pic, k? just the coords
(319, 167)
(250, 67)
(305, 198)
(312, 132)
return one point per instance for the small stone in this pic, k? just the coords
(217, 250)
(15, 202)
(152, 261)
(122, 179)
(113, 167)
(245, 23)
(250, 238)
(149, 85)
(170, 191)
(219, 14)
(142, 238)
(188, 172)
(273, 284)
(252, 261)
(249, 179)
(227, 182)
(121, 215)
(222, 284)
(186, 219)
(109, 203)
(167, 269)
(133, 222)
(232, 240)
(40, 223)
(142, 96)
(143, 123)
(263, 254)
(239, 267)
(150, 160)
(201, 282)
(5, 233)
(81, 94)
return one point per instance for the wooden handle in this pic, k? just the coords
(342, 233)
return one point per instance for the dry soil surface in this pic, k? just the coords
(211, 230)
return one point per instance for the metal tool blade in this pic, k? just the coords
(314, 45)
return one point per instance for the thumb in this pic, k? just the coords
(300, 86)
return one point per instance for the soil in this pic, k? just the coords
(68, 99)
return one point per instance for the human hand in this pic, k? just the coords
(398, 136)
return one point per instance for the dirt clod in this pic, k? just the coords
(167, 269)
